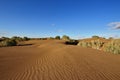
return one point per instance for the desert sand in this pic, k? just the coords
(53, 60)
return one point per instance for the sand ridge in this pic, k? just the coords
(53, 60)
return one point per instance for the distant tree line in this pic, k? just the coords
(14, 41)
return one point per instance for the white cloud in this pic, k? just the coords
(114, 25)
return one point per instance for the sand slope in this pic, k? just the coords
(52, 60)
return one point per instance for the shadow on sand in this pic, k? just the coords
(24, 44)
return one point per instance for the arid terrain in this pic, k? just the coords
(53, 60)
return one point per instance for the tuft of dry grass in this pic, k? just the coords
(96, 44)
(113, 46)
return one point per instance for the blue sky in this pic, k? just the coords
(76, 18)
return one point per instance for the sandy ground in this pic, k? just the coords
(52, 60)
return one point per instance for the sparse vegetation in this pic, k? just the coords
(111, 38)
(9, 42)
(4, 38)
(57, 37)
(50, 38)
(14, 41)
(112, 46)
(17, 39)
(83, 44)
(95, 36)
(65, 37)
(96, 44)
(26, 38)
(72, 42)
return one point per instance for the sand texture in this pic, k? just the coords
(53, 60)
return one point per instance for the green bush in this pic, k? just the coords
(72, 42)
(4, 41)
(65, 37)
(95, 37)
(1, 39)
(57, 37)
(8, 43)
(26, 38)
(111, 38)
(17, 39)
(4, 38)
(50, 38)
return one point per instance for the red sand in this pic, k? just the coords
(53, 60)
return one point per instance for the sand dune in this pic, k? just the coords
(52, 60)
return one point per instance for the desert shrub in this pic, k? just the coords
(4, 38)
(113, 47)
(111, 38)
(26, 38)
(65, 37)
(43, 38)
(4, 41)
(96, 44)
(95, 36)
(57, 37)
(9, 42)
(1, 39)
(83, 44)
(50, 38)
(17, 39)
(72, 42)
